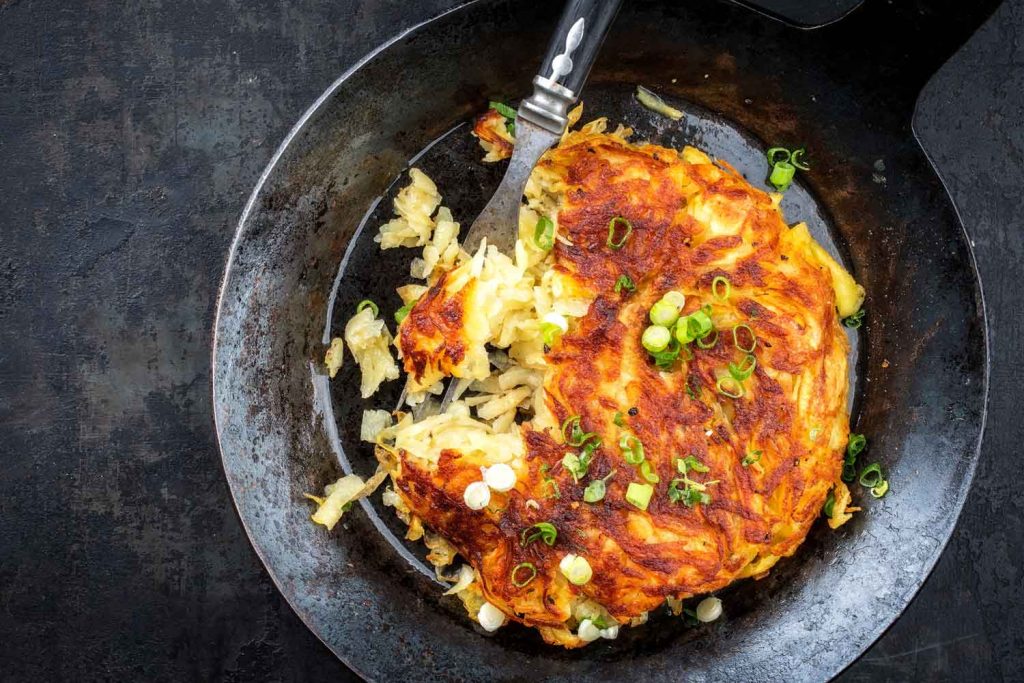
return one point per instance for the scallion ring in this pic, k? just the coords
(854, 321)
(656, 338)
(613, 226)
(777, 154)
(796, 158)
(871, 476)
(544, 233)
(854, 447)
(736, 338)
(528, 566)
(366, 303)
(503, 109)
(745, 368)
(721, 288)
(543, 531)
(403, 312)
(648, 473)
(632, 449)
(880, 489)
(624, 282)
(849, 472)
(723, 387)
(829, 505)
(782, 175)
(709, 340)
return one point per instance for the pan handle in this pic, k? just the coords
(572, 52)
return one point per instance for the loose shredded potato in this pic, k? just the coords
(368, 341)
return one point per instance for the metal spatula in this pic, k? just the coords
(540, 122)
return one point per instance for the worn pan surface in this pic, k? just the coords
(746, 81)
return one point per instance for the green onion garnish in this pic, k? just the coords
(829, 504)
(550, 332)
(704, 342)
(871, 476)
(403, 312)
(745, 368)
(632, 449)
(665, 359)
(691, 462)
(664, 313)
(575, 466)
(573, 433)
(856, 444)
(648, 473)
(544, 233)
(880, 489)
(728, 386)
(618, 419)
(750, 458)
(856, 320)
(556, 493)
(721, 288)
(616, 224)
(797, 159)
(595, 491)
(532, 574)
(736, 338)
(624, 282)
(366, 303)
(544, 531)
(849, 472)
(692, 392)
(639, 495)
(503, 109)
(656, 338)
(697, 325)
(784, 165)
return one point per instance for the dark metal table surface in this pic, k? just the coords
(130, 136)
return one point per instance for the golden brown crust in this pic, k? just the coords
(692, 221)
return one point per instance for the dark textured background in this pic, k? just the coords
(130, 136)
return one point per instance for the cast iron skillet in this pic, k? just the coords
(746, 81)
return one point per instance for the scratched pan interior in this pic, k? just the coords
(745, 81)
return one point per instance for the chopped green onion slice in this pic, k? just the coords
(782, 175)
(544, 233)
(871, 476)
(403, 312)
(576, 569)
(616, 225)
(829, 504)
(856, 320)
(721, 288)
(692, 392)
(639, 495)
(745, 368)
(849, 472)
(728, 386)
(632, 449)
(664, 313)
(694, 496)
(677, 299)
(656, 338)
(697, 325)
(648, 473)
(656, 104)
(575, 465)
(665, 359)
(618, 419)
(625, 282)
(543, 531)
(691, 462)
(708, 341)
(550, 332)
(366, 303)
(796, 158)
(777, 154)
(503, 109)
(573, 433)
(880, 489)
(749, 348)
(531, 574)
(854, 447)
(595, 491)
(751, 458)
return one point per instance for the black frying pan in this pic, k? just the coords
(846, 91)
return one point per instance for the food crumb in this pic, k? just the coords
(885, 362)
